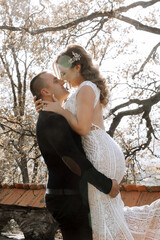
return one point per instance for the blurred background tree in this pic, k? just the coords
(123, 38)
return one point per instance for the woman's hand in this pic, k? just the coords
(38, 104)
(52, 106)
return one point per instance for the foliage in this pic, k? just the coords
(21, 160)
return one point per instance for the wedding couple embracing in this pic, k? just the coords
(85, 165)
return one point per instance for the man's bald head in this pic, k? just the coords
(37, 83)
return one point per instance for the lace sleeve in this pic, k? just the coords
(94, 87)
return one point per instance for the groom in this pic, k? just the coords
(68, 169)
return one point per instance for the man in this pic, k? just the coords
(68, 169)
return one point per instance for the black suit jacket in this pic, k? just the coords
(63, 154)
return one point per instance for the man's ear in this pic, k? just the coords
(45, 92)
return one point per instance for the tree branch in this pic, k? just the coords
(98, 14)
(146, 104)
(19, 80)
(147, 60)
(138, 25)
(154, 99)
(150, 131)
(6, 67)
(143, 4)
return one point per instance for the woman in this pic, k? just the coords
(83, 111)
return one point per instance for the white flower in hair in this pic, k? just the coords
(75, 57)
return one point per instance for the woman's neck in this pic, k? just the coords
(78, 82)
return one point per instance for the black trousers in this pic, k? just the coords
(72, 216)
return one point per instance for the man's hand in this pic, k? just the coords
(115, 189)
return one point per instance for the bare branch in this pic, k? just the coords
(154, 99)
(138, 25)
(35, 158)
(147, 60)
(150, 131)
(99, 28)
(10, 129)
(156, 155)
(98, 14)
(145, 104)
(38, 12)
(143, 4)
(19, 80)
(6, 66)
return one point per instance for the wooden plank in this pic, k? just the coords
(35, 198)
(4, 193)
(39, 199)
(12, 196)
(130, 198)
(26, 199)
(147, 198)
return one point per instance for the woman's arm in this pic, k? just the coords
(81, 123)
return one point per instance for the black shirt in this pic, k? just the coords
(64, 156)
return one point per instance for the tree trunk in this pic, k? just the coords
(24, 170)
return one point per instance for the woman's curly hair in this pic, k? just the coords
(77, 55)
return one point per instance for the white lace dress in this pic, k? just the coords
(110, 219)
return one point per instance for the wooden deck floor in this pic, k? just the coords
(33, 195)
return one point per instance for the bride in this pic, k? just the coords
(83, 111)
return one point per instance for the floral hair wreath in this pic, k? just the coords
(75, 57)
